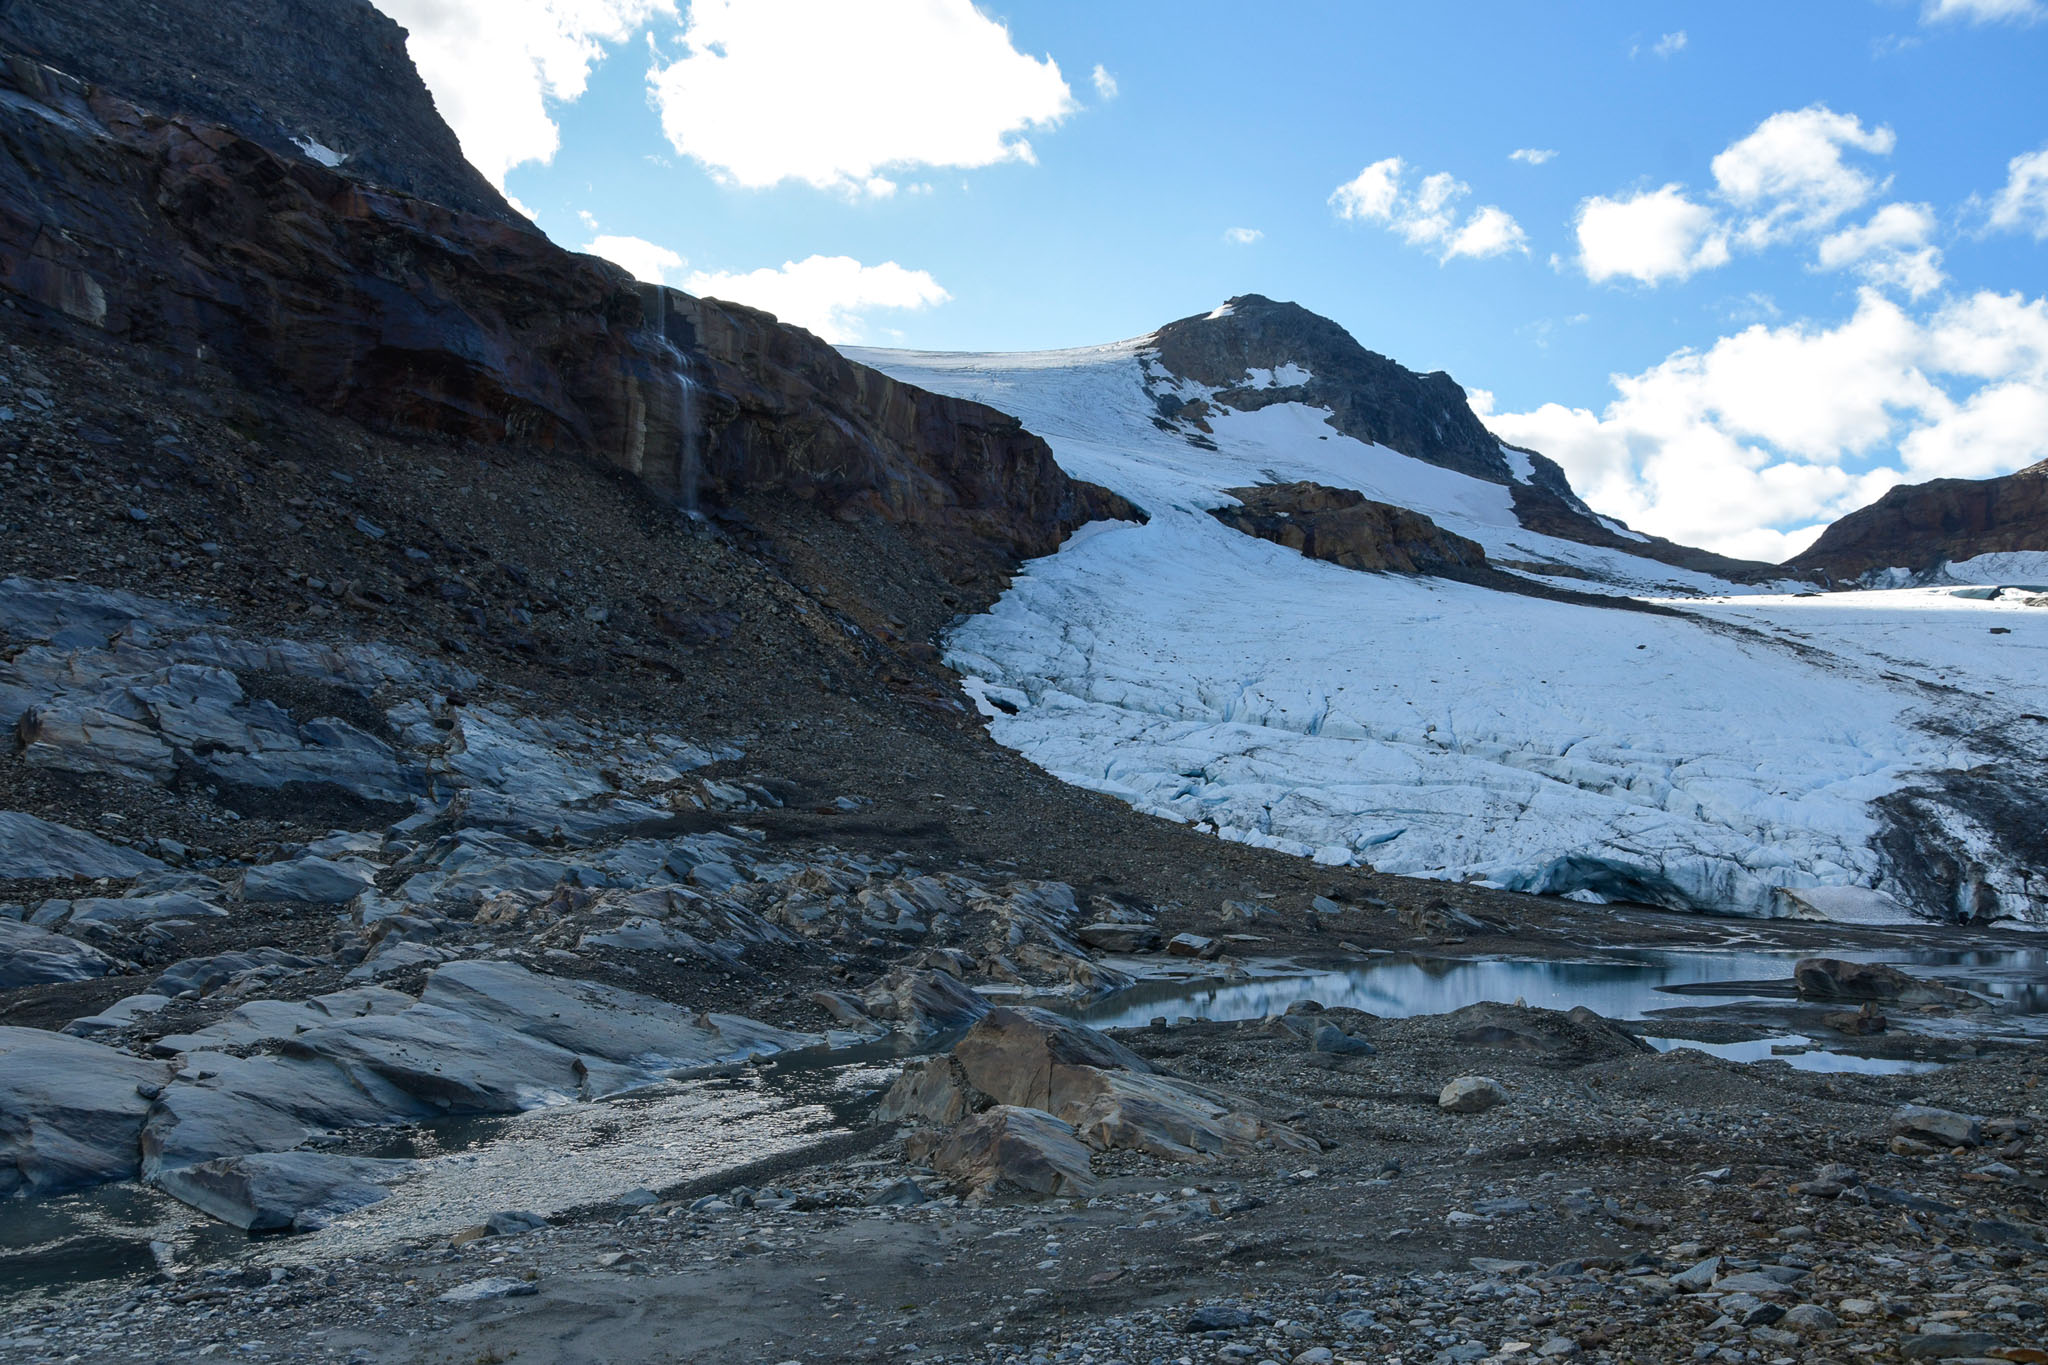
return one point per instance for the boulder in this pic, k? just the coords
(37, 849)
(1034, 1058)
(485, 1290)
(1013, 1149)
(1937, 1125)
(261, 1104)
(1471, 1095)
(1119, 938)
(1857, 1023)
(312, 879)
(71, 1111)
(36, 957)
(1329, 1038)
(921, 1002)
(1192, 945)
(1827, 978)
(1163, 1117)
(935, 1091)
(124, 912)
(283, 1191)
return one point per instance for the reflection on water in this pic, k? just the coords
(1620, 985)
(1765, 1049)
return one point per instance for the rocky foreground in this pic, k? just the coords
(1584, 1198)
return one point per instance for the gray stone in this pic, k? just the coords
(1119, 938)
(1699, 1277)
(1558, 1348)
(118, 1015)
(126, 911)
(483, 1291)
(1811, 1317)
(1192, 945)
(208, 974)
(70, 1111)
(278, 1191)
(36, 849)
(30, 956)
(901, 1194)
(1937, 1125)
(262, 1104)
(1471, 1095)
(1752, 1282)
(1217, 1317)
(312, 879)
(1330, 1038)
(512, 1222)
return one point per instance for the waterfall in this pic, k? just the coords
(689, 436)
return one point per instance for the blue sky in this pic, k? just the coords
(1807, 240)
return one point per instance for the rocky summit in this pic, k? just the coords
(543, 817)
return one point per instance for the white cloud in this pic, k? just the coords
(1983, 11)
(1534, 156)
(1670, 44)
(829, 295)
(1787, 180)
(833, 92)
(1105, 84)
(1427, 217)
(647, 260)
(1489, 232)
(2022, 206)
(1242, 236)
(1790, 176)
(1795, 425)
(495, 65)
(1891, 249)
(1650, 237)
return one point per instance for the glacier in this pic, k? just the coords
(1699, 744)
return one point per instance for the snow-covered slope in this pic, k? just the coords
(1715, 758)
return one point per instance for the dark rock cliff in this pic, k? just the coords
(207, 248)
(332, 71)
(1370, 397)
(1925, 525)
(1349, 529)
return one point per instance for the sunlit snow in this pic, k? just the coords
(1432, 728)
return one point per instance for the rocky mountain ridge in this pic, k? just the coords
(1921, 527)
(1253, 352)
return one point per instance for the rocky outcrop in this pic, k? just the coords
(296, 78)
(207, 248)
(1369, 396)
(1920, 527)
(1349, 529)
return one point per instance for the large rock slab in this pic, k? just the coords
(33, 848)
(36, 957)
(1029, 1057)
(71, 1111)
(283, 1191)
(313, 879)
(1827, 978)
(1014, 1150)
(261, 1104)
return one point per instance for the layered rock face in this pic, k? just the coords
(206, 247)
(1371, 397)
(1920, 527)
(327, 74)
(1349, 529)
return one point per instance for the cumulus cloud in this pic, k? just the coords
(1789, 180)
(1790, 177)
(1427, 216)
(1983, 11)
(1650, 237)
(1105, 84)
(1795, 425)
(829, 295)
(647, 260)
(1670, 44)
(495, 66)
(833, 93)
(1241, 236)
(1534, 156)
(2022, 206)
(1891, 249)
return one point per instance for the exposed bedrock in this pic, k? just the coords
(1349, 529)
(200, 244)
(1919, 527)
